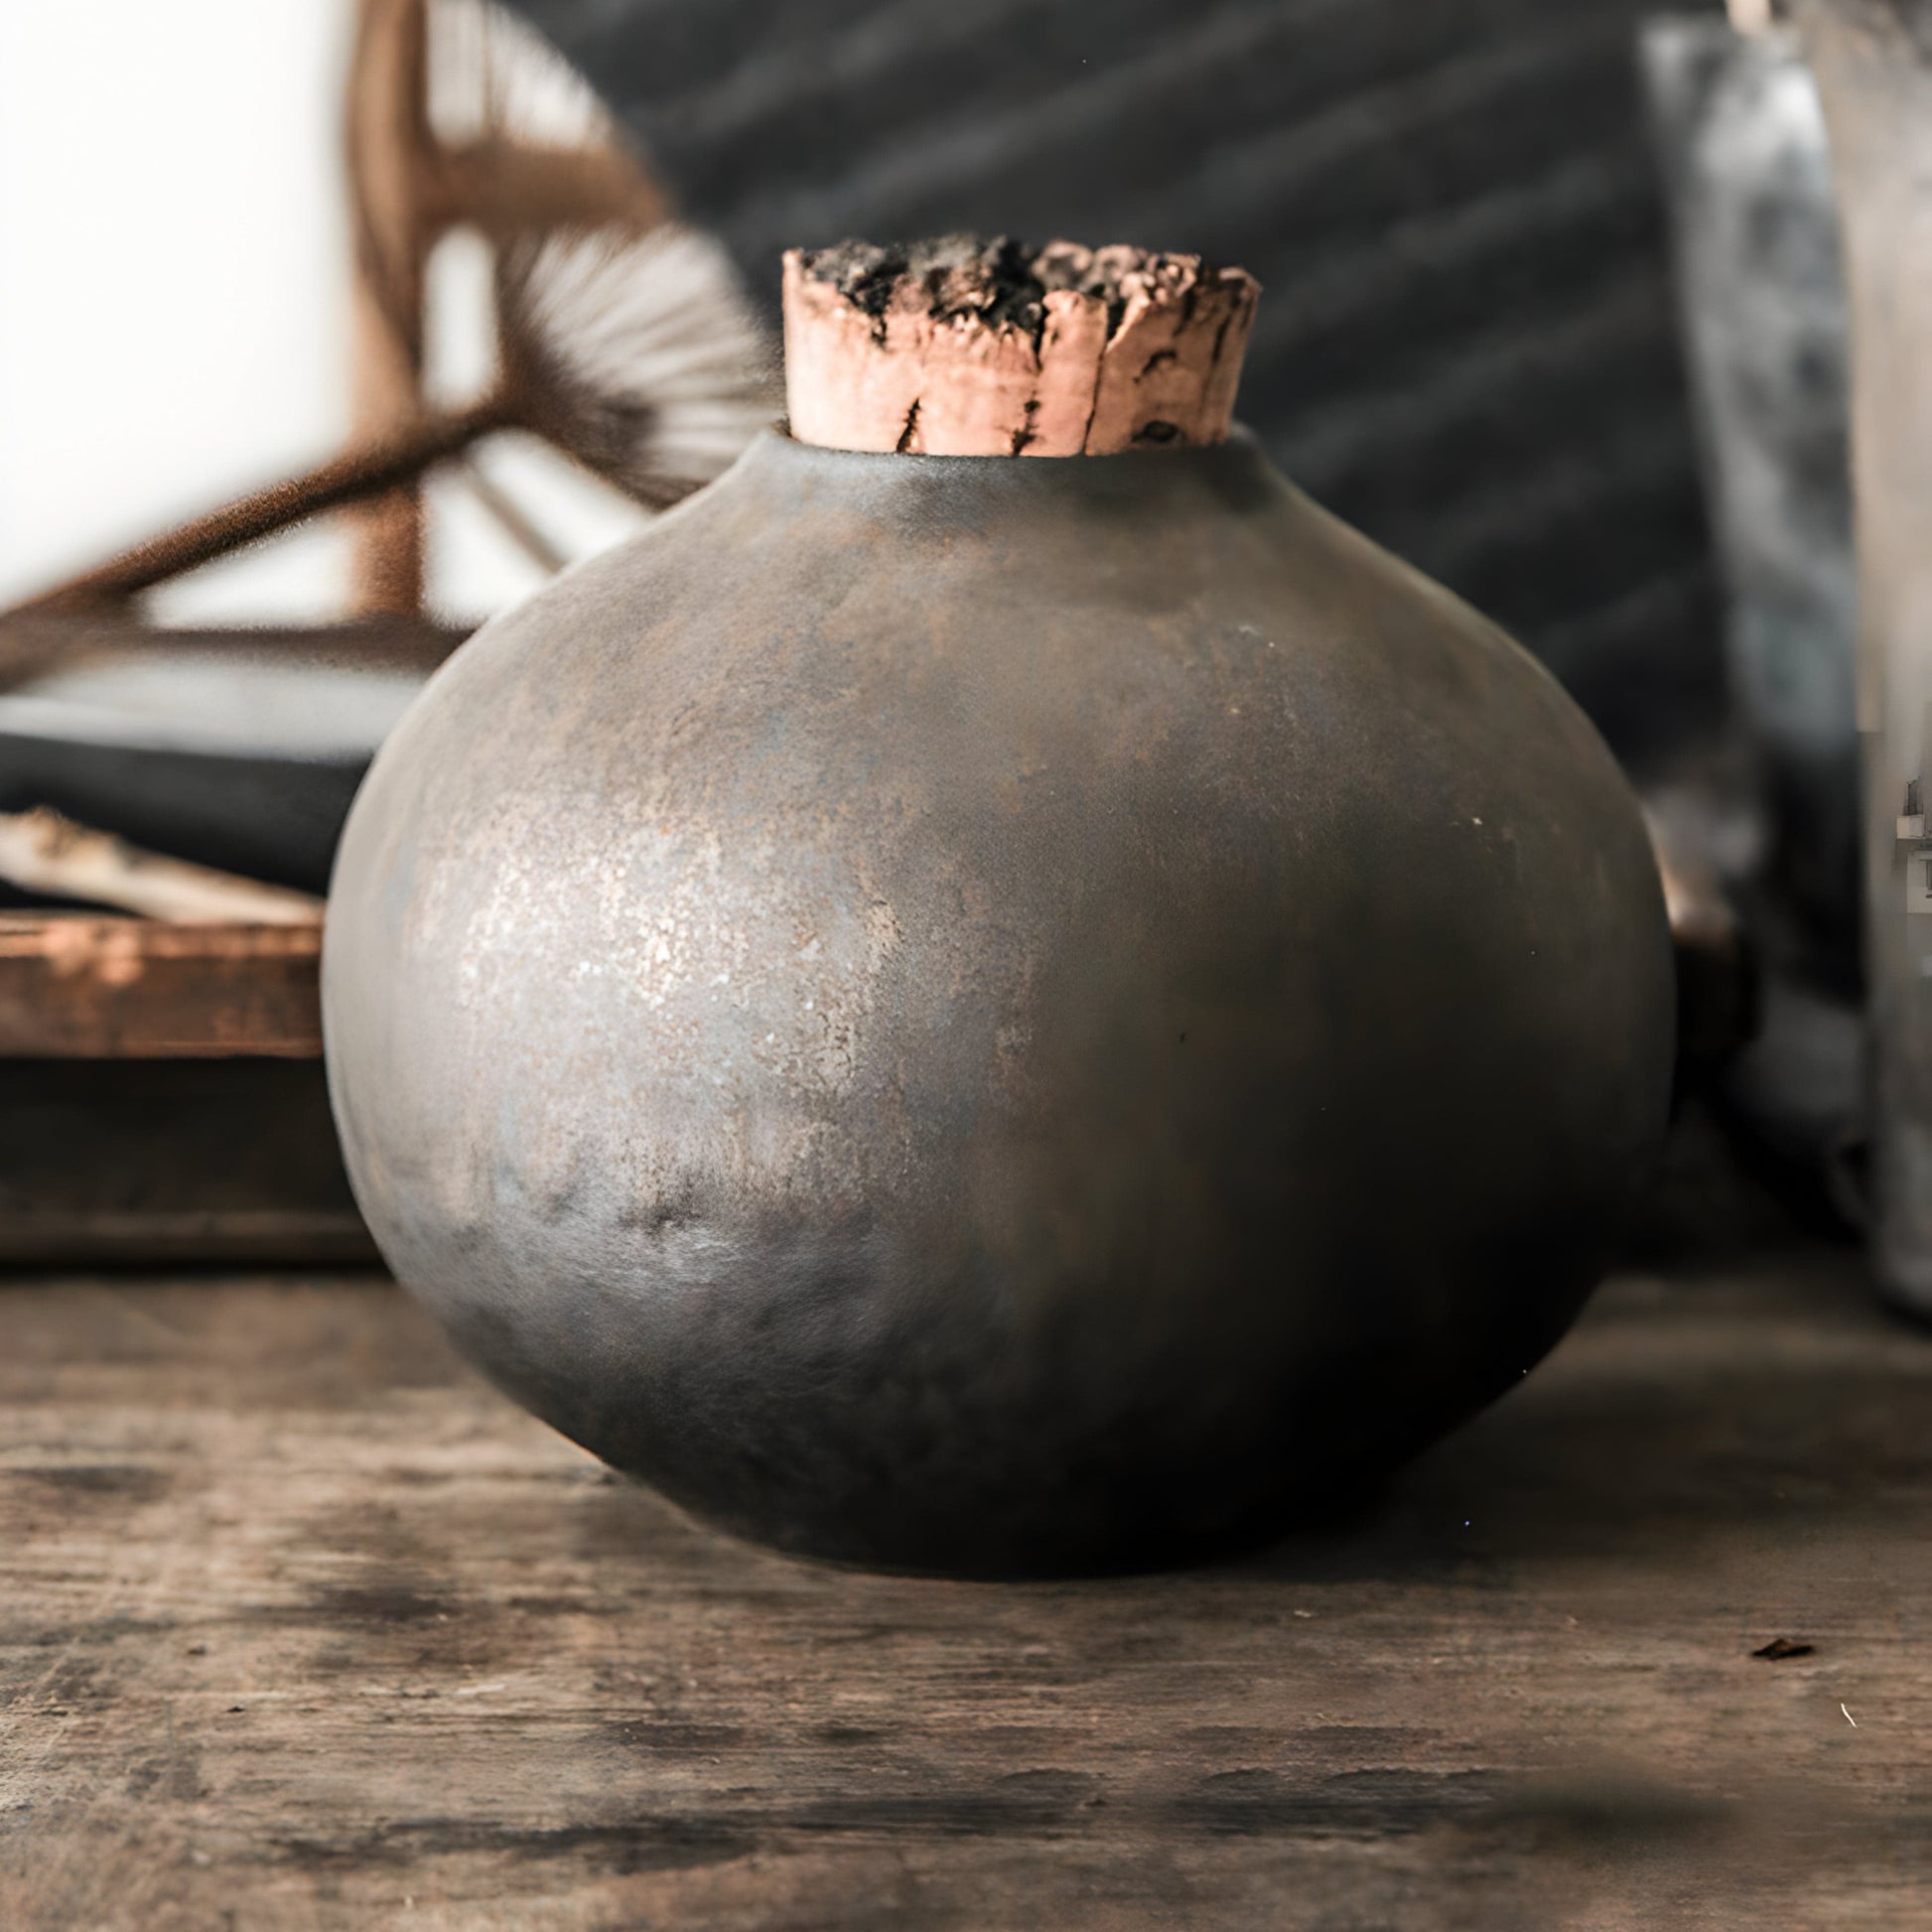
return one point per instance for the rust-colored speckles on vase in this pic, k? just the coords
(998, 1016)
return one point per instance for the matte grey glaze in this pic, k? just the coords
(998, 1016)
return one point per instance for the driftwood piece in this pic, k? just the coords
(972, 347)
(75, 987)
(42, 852)
(387, 129)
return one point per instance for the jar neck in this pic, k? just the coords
(1135, 472)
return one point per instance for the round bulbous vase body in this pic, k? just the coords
(998, 1016)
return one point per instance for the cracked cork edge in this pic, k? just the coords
(966, 345)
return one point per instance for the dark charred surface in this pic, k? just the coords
(992, 278)
(379, 1649)
(1001, 281)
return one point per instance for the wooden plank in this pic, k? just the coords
(75, 986)
(118, 1163)
(303, 1629)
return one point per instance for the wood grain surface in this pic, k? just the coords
(75, 986)
(301, 1626)
(229, 1163)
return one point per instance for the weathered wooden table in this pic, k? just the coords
(301, 1626)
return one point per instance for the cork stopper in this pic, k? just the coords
(970, 346)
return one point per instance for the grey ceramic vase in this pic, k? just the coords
(998, 1016)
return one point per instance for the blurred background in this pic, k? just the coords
(1550, 308)
(176, 310)
(174, 295)
(1468, 341)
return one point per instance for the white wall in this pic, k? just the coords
(173, 280)
(174, 300)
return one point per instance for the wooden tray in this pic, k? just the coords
(82, 986)
(162, 1096)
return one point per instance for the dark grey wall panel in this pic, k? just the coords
(1466, 342)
